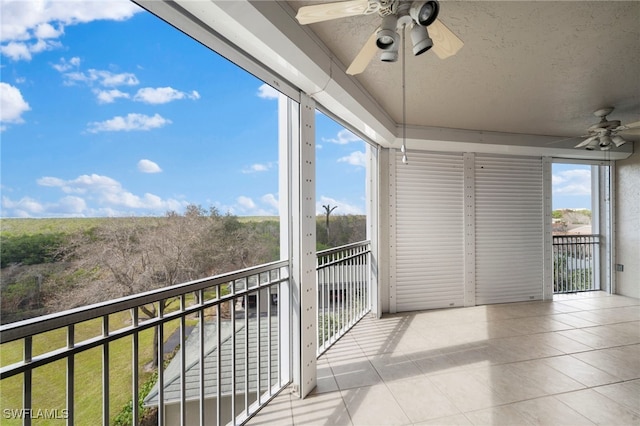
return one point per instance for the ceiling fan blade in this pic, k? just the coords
(629, 126)
(327, 11)
(587, 142)
(365, 56)
(445, 42)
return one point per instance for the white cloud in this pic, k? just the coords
(148, 166)
(46, 30)
(64, 65)
(267, 92)
(12, 104)
(246, 206)
(101, 77)
(356, 158)
(343, 206)
(69, 206)
(257, 168)
(25, 207)
(89, 195)
(28, 27)
(16, 51)
(343, 137)
(572, 182)
(130, 122)
(109, 96)
(82, 184)
(272, 201)
(163, 95)
(246, 202)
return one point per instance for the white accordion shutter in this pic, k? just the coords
(509, 233)
(429, 231)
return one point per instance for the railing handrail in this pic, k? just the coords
(342, 248)
(577, 236)
(29, 327)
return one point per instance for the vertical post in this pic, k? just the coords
(28, 376)
(135, 343)
(373, 197)
(71, 375)
(612, 287)
(288, 137)
(160, 332)
(547, 201)
(105, 371)
(303, 255)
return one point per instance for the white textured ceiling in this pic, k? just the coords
(531, 67)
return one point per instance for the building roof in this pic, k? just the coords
(246, 344)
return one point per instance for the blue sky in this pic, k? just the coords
(108, 111)
(571, 186)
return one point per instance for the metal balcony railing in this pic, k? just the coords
(221, 344)
(227, 361)
(343, 290)
(575, 263)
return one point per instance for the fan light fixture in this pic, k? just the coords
(390, 54)
(395, 16)
(420, 39)
(605, 141)
(604, 134)
(618, 141)
(387, 36)
(424, 12)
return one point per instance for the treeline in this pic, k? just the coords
(114, 257)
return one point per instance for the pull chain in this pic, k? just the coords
(403, 148)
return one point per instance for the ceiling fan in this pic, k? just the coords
(605, 133)
(396, 16)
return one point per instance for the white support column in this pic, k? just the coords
(547, 226)
(303, 255)
(288, 136)
(469, 229)
(373, 199)
(612, 288)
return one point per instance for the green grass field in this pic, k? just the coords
(49, 382)
(30, 226)
(19, 226)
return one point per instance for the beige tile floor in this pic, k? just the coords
(573, 361)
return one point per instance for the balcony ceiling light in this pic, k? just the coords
(605, 141)
(387, 35)
(618, 141)
(424, 12)
(391, 54)
(420, 39)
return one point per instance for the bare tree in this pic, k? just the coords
(327, 212)
(127, 256)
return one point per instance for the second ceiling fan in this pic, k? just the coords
(427, 32)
